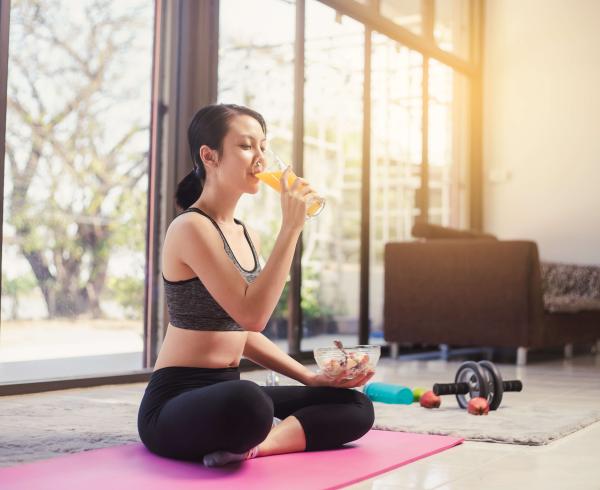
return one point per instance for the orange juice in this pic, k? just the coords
(272, 180)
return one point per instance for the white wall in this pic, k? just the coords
(541, 122)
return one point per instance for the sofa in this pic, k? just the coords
(461, 288)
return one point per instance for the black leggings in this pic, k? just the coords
(187, 412)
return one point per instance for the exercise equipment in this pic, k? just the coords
(481, 379)
(389, 393)
(418, 393)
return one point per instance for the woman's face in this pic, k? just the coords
(243, 148)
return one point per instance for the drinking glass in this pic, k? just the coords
(273, 168)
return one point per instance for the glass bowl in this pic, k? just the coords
(361, 358)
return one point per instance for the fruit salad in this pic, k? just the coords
(353, 363)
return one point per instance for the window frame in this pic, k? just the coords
(184, 77)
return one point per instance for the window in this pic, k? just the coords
(333, 122)
(448, 146)
(77, 174)
(256, 69)
(396, 154)
(75, 192)
(405, 13)
(451, 26)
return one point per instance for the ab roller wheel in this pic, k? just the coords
(495, 384)
(481, 379)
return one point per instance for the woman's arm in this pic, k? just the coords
(265, 353)
(250, 305)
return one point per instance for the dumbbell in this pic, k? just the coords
(481, 379)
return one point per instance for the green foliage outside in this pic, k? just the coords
(312, 306)
(14, 288)
(129, 293)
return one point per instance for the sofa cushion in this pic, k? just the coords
(570, 287)
(569, 303)
(433, 232)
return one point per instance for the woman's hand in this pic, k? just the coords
(294, 201)
(321, 379)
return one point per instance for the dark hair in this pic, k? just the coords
(208, 127)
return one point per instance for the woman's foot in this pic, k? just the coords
(220, 458)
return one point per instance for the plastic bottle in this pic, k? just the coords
(388, 393)
(272, 379)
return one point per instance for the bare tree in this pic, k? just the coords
(77, 168)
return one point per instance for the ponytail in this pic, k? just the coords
(189, 189)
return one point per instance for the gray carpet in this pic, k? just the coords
(45, 425)
(40, 426)
(532, 425)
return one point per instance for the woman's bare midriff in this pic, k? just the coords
(200, 348)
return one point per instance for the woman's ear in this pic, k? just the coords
(208, 156)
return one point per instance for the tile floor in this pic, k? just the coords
(572, 462)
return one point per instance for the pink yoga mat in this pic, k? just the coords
(133, 467)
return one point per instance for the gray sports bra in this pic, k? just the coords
(190, 304)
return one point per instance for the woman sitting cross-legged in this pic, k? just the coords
(219, 299)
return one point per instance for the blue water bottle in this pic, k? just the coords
(388, 393)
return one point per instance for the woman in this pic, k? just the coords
(195, 406)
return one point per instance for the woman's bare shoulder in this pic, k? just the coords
(188, 234)
(186, 226)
